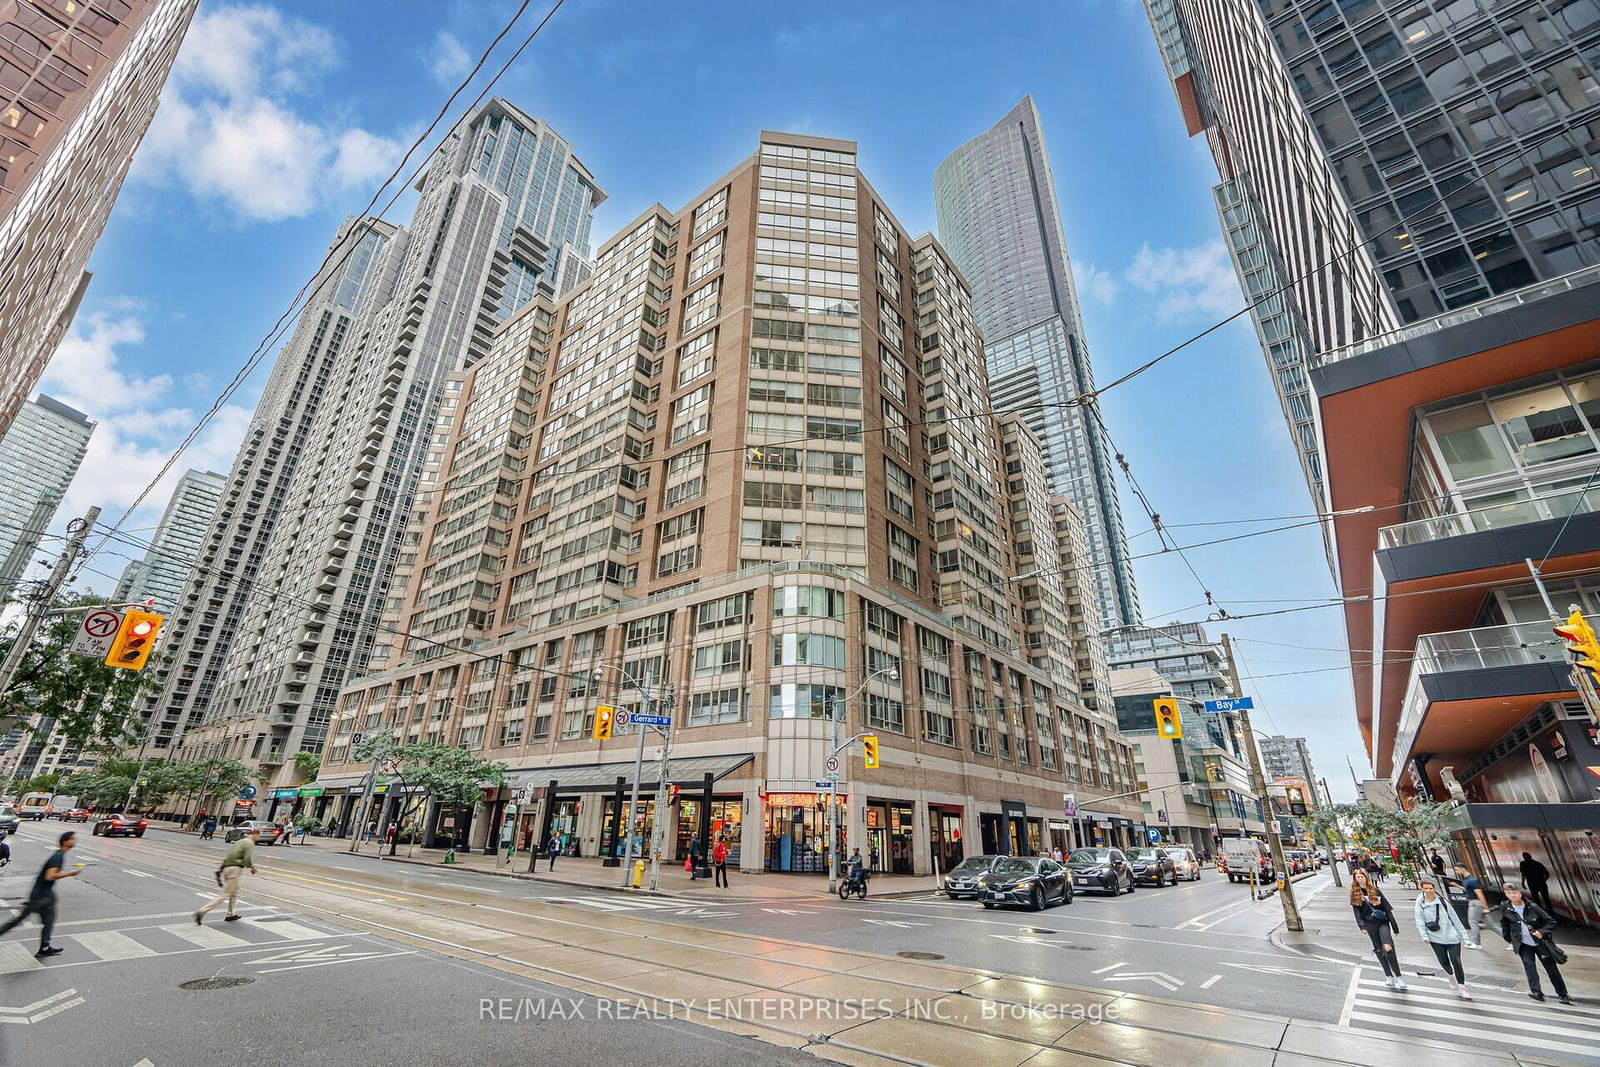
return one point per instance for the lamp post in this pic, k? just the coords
(893, 674)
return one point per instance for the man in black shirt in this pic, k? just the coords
(42, 900)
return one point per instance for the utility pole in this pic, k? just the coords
(1291, 912)
(658, 822)
(1333, 861)
(78, 532)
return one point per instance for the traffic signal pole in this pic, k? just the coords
(78, 532)
(1291, 911)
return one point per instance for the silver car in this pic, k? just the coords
(965, 880)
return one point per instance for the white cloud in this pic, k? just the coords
(1093, 283)
(139, 421)
(232, 125)
(1186, 283)
(448, 60)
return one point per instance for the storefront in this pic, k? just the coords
(727, 818)
(888, 844)
(564, 812)
(1010, 833)
(797, 832)
(644, 818)
(944, 831)
(1061, 835)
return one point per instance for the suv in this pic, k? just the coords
(1154, 866)
(9, 820)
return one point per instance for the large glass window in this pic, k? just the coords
(1469, 442)
(814, 650)
(1543, 425)
(807, 600)
(803, 701)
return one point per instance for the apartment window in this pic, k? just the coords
(697, 358)
(807, 650)
(793, 601)
(772, 495)
(799, 700)
(728, 611)
(685, 525)
(881, 620)
(510, 733)
(710, 214)
(705, 258)
(721, 658)
(645, 631)
(721, 705)
(883, 664)
(770, 533)
(938, 726)
(773, 458)
(934, 644)
(677, 561)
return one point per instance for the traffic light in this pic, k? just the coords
(1581, 642)
(130, 649)
(1168, 725)
(604, 720)
(869, 752)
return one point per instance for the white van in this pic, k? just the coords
(1246, 855)
(33, 806)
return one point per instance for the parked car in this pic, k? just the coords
(1033, 882)
(1153, 866)
(9, 819)
(964, 882)
(76, 815)
(271, 833)
(120, 825)
(1185, 862)
(1100, 870)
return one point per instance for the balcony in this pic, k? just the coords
(1467, 688)
(1557, 507)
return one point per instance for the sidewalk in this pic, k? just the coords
(589, 873)
(1330, 931)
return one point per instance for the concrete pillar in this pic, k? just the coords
(752, 833)
(921, 834)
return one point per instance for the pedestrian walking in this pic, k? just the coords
(719, 859)
(1477, 905)
(1443, 930)
(240, 857)
(5, 850)
(1536, 881)
(1527, 928)
(1377, 918)
(696, 854)
(553, 849)
(209, 831)
(42, 897)
(1437, 863)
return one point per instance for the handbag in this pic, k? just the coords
(1379, 916)
(1433, 923)
(1551, 951)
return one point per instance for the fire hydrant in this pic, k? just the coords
(638, 873)
(450, 856)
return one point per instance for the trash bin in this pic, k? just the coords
(638, 873)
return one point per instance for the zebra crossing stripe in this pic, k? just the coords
(1427, 1010)
(112, 945)
(1479, 1034)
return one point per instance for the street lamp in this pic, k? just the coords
(893, 674)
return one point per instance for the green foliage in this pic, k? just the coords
(44, 783)
(1414, 832)
(109, 784)
(306, 764)
(448, 775)
(307, 824)
(93, 705)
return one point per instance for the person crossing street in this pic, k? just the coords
(1376, 918)
(240, 857)
(42, 898)
(1443, 930)
(1527, 927)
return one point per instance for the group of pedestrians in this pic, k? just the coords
(1525, 925)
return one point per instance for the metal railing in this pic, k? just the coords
(1493, 517)
(1482, 309)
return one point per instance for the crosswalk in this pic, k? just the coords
(140, 942)
(1493, 1018)
(644, 904)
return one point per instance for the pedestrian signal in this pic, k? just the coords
(604, 720)
(1168, 725)
(135, 639)
(869, 752)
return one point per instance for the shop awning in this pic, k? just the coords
(602, 777)
(341, 782)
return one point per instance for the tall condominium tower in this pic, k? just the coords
(1384, 162)
(996, 202)
(747, 469)
(1288, 757)
(175, 546)
(78, 87)
(503, 217)
(39, 456)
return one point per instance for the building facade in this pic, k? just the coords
(745, 472)
(1383, 162)
(39, 456)
(1180, 652)
(175, 545)
(1287, 757)
(998, 215)
(78, 87)
(503, 214)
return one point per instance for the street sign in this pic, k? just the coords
(1230, 704)
(1155, 834)
(1161, 815)
(825, 785)
(832, 765)
(1069, 805)
(95, 634)
(311, 790)
(356, 738)
(621, 718)
(247, 792)
(647, 720)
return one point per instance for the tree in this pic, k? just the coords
(1426, 826)
(43, 783)
(306, 764)
(453, 776)
(95, 707)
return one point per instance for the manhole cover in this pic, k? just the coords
(1034, 930)
(920, 955)
(227, 982)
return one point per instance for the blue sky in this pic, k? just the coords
(281, 119)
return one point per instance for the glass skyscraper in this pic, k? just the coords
(175, 546)
(39, 456)
(998, 216)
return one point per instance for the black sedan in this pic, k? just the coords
(1033, 882)
(120, 826)
(1100, 870)
(1154, 867)
(963, 880)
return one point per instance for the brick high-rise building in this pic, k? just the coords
(748, 468)
(78, 87)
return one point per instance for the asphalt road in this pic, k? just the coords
(1203, 941)
(315, 993)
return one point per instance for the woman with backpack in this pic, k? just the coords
(1443, 930)
(1376, 917)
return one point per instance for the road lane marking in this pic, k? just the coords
(1350, 996)
(1113, 967)
(1209, 982)
(203, 936)
(137, 874)
(14, 957)
(288, 931)
(112, 945)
